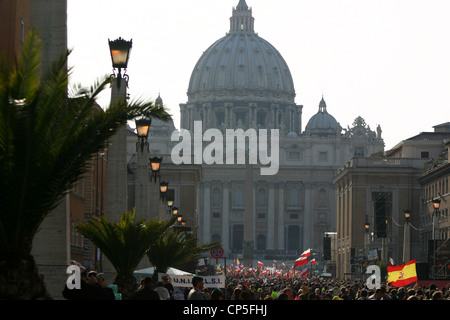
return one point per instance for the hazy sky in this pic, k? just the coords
(387, 61)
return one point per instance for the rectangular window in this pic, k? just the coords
(238, 196)
(359, 152)
(323, 156)
(294, 155)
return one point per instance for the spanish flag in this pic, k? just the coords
(402, 275)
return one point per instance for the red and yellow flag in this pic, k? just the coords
(402, 275)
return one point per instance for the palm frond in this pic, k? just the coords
(125, 242)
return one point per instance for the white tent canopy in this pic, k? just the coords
(151, 270)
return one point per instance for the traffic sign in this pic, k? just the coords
(216, 253)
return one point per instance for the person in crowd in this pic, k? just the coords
(106, 292)
(217, 294)
(196, 292)
(168, 285)
(162, 291)
(146, 292)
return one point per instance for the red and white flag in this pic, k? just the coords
(391, 262)
(303, 273)
(260, 264)
(300, 261)
(306, 253)
(313, 261)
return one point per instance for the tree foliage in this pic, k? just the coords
(124, 243)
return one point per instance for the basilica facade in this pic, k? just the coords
(242, 82)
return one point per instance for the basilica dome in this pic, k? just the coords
(241, 60)
(323, 123)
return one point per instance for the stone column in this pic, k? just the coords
(307, 213)
(141, 188)
(281, 229)
(226, 217)
(206, 212)
(116, 177)
(271, 217)
(248, 216)
(116, 199)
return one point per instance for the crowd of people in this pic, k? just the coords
(312, 288)
(259, 287)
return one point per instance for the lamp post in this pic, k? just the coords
(435, 233)
(436, 205)
(406, 237)
(116, 180)
(155, 165)
(366, 237)
(120, 53)
(116, 198)
(163, 190)
(141, 192)
(142, 129)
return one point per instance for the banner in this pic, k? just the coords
(216, 281)
(373, 254)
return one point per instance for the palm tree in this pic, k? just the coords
(124, 244)
(46, 139)
(175, 248)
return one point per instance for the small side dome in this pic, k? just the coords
(322, 123)
(160, 127)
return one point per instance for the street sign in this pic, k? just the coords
(216, 253)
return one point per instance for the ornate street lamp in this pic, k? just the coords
(142, 129)
(174, 211)
(407, 214)
(170, 197)
(155, 165)
(163, 190)
(436, 204)
(120, 53)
